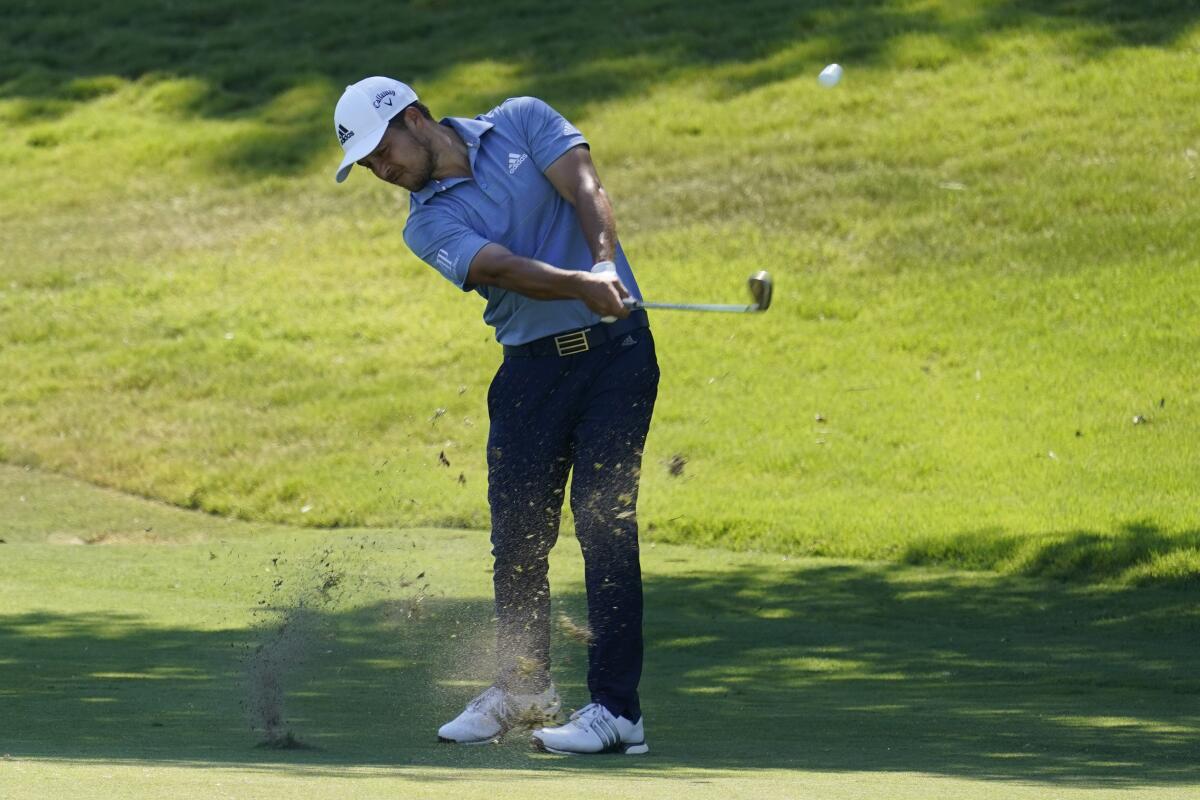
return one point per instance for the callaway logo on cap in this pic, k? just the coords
(362, 115)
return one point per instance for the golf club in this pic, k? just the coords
(760, 291)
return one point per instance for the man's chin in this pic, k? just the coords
(418, 185)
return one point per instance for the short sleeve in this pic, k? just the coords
(443, 243)
(547, 133)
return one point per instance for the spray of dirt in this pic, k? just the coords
(581, 634)
(283, 648)
(468, 665)
(294, 618)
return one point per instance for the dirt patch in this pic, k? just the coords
(145, 537)
(64, 538)
(287, 742)
(142, 538)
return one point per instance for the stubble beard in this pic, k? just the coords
(424, 174)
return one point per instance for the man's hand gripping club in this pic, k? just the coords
(600, 291)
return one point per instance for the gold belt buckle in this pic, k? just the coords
(571, 343)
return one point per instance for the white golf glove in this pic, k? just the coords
(601, 267)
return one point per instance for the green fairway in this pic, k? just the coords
(124, 668)
(926, 529)
(982, 346)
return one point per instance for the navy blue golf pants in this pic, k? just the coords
(585, 414)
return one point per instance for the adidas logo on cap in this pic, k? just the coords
(344, 133)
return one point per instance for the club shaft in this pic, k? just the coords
(698, 307)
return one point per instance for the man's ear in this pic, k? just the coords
(413, 118)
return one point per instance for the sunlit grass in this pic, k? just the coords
(983, 243)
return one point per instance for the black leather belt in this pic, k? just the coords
(580, 340)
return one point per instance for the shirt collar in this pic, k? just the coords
(471, 131)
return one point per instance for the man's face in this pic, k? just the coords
(402, 159)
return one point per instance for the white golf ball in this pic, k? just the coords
(830, 76)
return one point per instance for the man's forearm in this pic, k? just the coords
(598, 222)
(529, 277)
(495, 266)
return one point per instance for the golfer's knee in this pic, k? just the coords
(602, 512)
(520, 560)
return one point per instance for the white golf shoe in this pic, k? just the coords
(493, 713)
(593, 729)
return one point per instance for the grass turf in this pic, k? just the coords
(124, 668)
(983, 245)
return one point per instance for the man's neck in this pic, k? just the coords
(450, 154)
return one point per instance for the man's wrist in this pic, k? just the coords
(576, 283)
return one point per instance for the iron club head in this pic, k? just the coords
(760, 290)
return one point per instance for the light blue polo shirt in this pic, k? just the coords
(511, 202)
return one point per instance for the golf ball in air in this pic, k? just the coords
(830, 76)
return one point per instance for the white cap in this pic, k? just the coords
(362, 116)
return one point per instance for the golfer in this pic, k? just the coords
(508, 205)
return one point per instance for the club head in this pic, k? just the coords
(760, 290)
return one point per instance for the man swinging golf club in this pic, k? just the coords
(509, 205)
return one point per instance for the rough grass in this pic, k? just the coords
(983, 243)
(128, 669)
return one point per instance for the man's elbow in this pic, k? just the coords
(589, 192)
(487, 269)
(480, 275)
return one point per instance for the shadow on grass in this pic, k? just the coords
(1141, 554)
(250, 58)
(826, 667)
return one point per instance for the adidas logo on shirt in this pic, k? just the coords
(515, 160)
